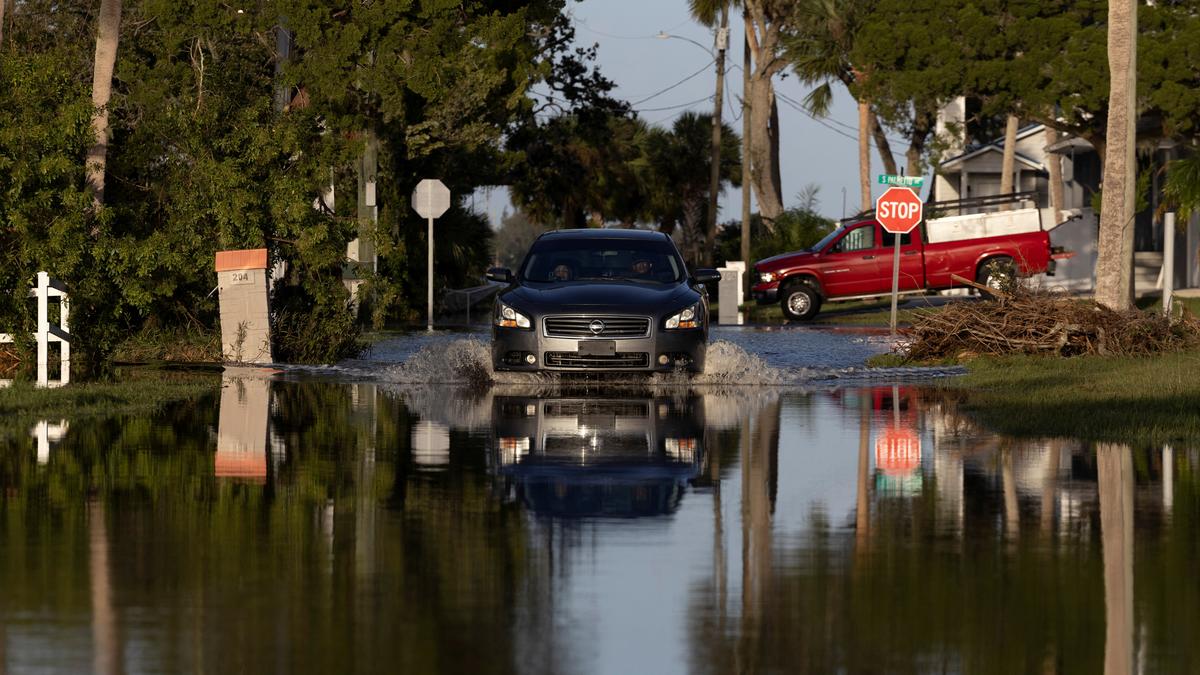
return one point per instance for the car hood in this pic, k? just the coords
(784, 260)
(615, 296)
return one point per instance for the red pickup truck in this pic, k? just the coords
(854, 262)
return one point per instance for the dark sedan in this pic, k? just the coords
(589, 300)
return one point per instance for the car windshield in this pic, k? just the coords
(557, 260)
(820, 245)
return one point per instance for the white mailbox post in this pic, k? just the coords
(48, 332)
(245, 315)
(731, 292)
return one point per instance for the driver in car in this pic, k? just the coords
(562, 272)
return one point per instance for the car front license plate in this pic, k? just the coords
(597, 347)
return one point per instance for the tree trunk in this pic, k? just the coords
(1114, 264)
(864, 155)
(882, 145)
(3, 6)
(693, 233)
(714, 178)
(1010, 156)
(763, 153)
(1054, 166)
(107, 32)
(746, 137)
(923, 124)
(1114, 469)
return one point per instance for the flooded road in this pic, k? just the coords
(363, 518)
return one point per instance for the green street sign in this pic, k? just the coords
(902, 181)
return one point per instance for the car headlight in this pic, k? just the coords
(682, 449)
(688, 318)
(507, 317)
(766, 277)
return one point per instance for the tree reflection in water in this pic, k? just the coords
(944, 578)
(297, 526)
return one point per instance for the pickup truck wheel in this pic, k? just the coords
(998, 273)
(800, 302)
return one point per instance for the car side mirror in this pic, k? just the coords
(705, 275)
(501, 274)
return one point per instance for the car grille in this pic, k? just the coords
(588, 408)
(580, 326)
(618, 360)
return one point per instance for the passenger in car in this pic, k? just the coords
(562, 272)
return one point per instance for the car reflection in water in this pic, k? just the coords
(605, 457)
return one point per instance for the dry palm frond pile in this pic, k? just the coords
(1032, 322)
(8, 354)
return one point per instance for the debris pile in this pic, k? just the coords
(1024, 321)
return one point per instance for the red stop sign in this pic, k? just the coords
(898, 210)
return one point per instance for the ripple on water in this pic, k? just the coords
(469, 361)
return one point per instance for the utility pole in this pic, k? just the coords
(746, 65)
(714, 182)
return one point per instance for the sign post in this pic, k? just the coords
(898, 210)
(431, 199)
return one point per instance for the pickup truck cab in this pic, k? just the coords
(854, 262)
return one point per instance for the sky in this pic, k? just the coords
(823, 153)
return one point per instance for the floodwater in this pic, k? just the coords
(403, 513)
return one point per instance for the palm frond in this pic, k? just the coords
(819, 100)
(1182, 187)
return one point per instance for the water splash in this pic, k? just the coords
(727, 364)
(468, 361)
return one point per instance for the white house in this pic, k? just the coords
(975, 172)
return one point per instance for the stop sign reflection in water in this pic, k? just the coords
(897, 451)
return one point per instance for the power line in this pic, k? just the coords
(674, 107)
(663, 91)
(802, 108)
(585, 26)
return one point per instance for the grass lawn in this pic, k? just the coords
(182, 345)
(136, 392)
(877, 312)
(1141, 401)
(863, 313)
(1155, 303)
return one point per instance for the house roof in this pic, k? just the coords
(956, 162)
(1067, 144)
(997, 145)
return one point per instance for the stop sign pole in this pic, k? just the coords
(431, 199)
(898, 210)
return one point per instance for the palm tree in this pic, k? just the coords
(764, 28)
(1182, 187)
(576, 171)
(1010, 155)
(819, 47)
(674, 170)
(108, 25)
(1118, 199)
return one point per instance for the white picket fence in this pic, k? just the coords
(46, 332)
